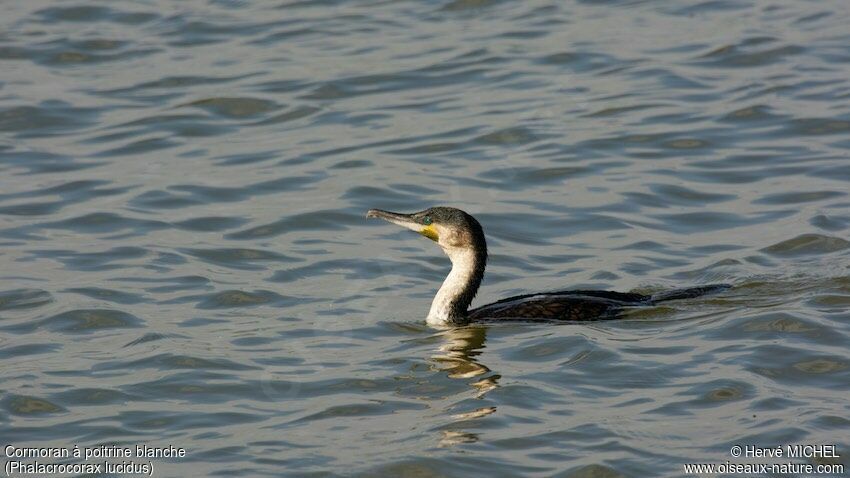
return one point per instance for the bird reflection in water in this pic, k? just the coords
(457, 356)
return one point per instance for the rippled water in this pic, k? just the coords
(184, 257)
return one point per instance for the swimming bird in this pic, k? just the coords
(462, 239)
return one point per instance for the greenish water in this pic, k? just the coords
(184, 257)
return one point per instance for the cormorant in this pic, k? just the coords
(462, 239)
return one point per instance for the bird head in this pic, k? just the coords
(453, 229)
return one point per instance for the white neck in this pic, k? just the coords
(444, 307)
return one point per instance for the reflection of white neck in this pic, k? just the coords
(447, 305)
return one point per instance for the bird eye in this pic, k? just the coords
(426, 220)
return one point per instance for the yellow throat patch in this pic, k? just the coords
(430, 232)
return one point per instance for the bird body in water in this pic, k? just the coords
(462, 239)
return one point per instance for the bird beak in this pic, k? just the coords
(405, 220)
